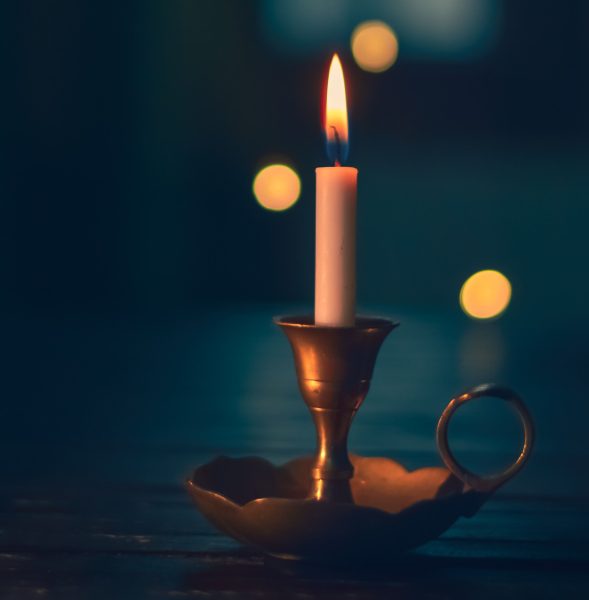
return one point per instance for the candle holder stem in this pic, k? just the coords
(334, 366)
(332, 469)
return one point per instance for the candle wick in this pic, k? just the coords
(337, 145)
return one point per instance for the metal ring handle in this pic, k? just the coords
(491, 482)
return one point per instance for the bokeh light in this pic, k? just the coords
(277, 187)
(485, 294)
(374, 46)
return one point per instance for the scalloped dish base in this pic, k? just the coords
(394, 510)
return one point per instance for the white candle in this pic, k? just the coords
(335, 247)
(335, 241)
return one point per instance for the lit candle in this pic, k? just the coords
(335, 229)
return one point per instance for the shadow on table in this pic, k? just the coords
(406, 576)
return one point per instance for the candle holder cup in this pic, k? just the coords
(334, 367)
(336, 507)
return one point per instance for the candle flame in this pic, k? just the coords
(336, 113)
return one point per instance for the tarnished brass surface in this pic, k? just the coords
(334, 366)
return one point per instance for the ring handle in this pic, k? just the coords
(491, 482)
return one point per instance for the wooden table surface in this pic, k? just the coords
(96, 445)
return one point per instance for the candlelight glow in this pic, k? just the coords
(277, 187)
(485, 294)
(336, 113)
(374, 46)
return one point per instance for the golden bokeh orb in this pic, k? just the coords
(485, 294)
(374, 46)
(277, 187)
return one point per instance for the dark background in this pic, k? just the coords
(131, 133)
(138, 273)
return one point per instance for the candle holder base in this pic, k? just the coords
(392, 510)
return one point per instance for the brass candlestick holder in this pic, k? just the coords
(334, 507)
